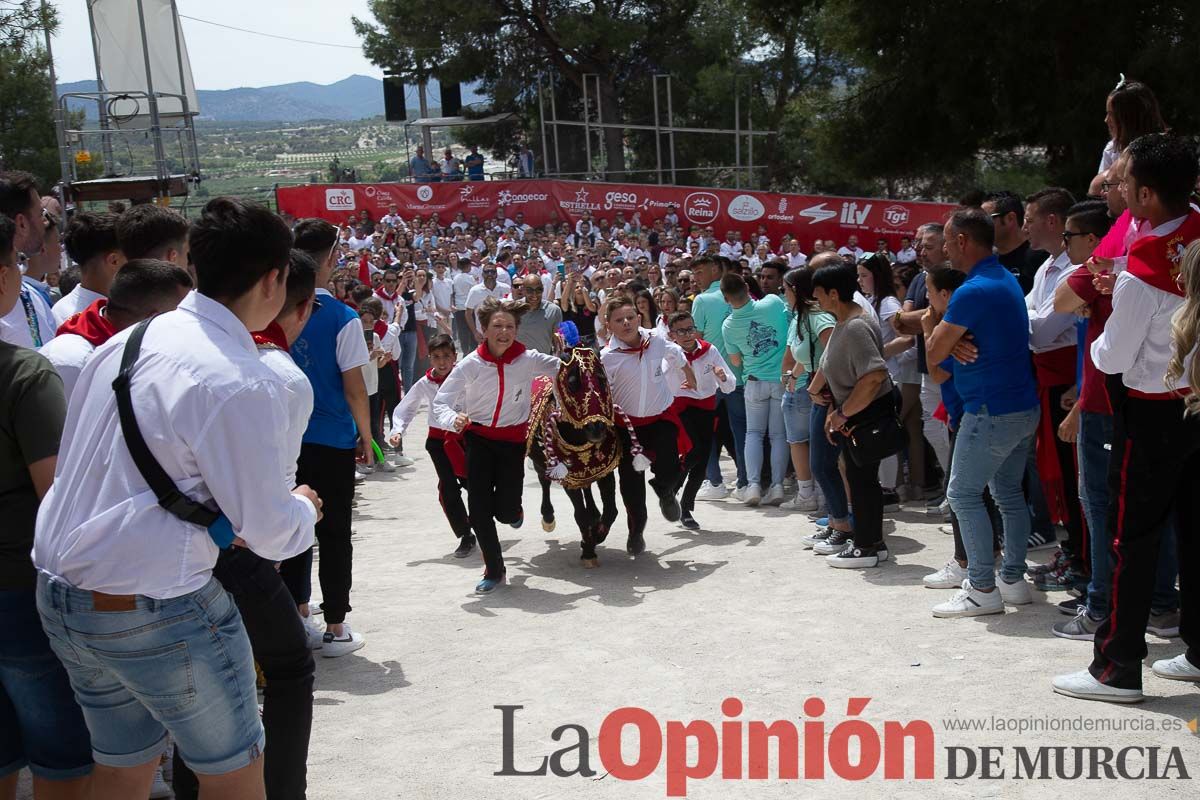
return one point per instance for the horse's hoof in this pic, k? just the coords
(589, 563)
(548, 525)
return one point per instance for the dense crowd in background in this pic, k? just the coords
(188, 406)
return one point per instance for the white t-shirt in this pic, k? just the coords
(73, 302)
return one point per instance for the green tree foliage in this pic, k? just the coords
(932, 84)
(505, 44)
(27, 139)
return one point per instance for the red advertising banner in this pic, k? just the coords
(806, 217)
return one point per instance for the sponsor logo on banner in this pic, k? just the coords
(781, 214)
(579, 204)
(895, 215)
(701, 207)
(507, 198)
(746, 208)
(467, 195)
(817, 213)
(339, 199)
(425, 193)
(853, 215)
(621, 201)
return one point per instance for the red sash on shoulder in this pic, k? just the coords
(1156, 259)
(91, 324)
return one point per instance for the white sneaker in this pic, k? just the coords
(950, 576)
(359, 477)
(316, 634)
(1176, 669)
(712, 491)
(774, 495)
(364, 469)
(160, 789)
(1016, 593)
(970, 602)
(401, 460)
(1084, 687)
(385, 466)
(750, 494)
(334, 646)
(801, 503)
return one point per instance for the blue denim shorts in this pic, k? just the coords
(181, 666)
(797, 408)
(41, 726)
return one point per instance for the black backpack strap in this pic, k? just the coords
(168, 494)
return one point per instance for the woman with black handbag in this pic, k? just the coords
(862, 411)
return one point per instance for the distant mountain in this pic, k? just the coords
(356, 97)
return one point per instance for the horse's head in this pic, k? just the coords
(585, 401)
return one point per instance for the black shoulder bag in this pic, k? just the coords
(168, 494)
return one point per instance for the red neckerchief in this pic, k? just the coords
(1156, 259)
(435, 379)
(382, 293)
(380, 328)
(271, 335)
(510, 355)
(702, 347)
(640, 349)
(90, 324)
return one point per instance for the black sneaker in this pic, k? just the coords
(1040, 540)
(1071, 606)
(687, 521)
(836, 542)
(817, 538)
(854, 557)
(669, 507)
(465, 545)
(891, 500)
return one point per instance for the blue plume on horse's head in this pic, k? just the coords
(570, 333)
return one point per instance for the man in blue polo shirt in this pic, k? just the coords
(474, 164)
(709, 311)
(331, 351)
(986, 328)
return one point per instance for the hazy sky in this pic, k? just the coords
(224, 59)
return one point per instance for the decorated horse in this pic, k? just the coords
(573, 441)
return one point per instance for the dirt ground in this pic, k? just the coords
(737, 609)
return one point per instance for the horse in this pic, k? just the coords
(573, 441)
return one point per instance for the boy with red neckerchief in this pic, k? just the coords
(696, 406)
(1153, 470)
(635, 361)
(444, 445)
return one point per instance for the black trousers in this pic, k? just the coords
(658, 439)
(330, 473)
(495, 479)
(700, 426)
(280, 647)
(449, 488)
(1154, 471)
(866, 495)
(960, 549)
(1077, 542)
(389, 396)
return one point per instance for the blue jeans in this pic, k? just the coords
(764, 415)
(797, 415)
(991, 451)
(41, 725)
(735, 408)
(408, 359)
(1095, 451)
(142, 667)
(823, 458)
